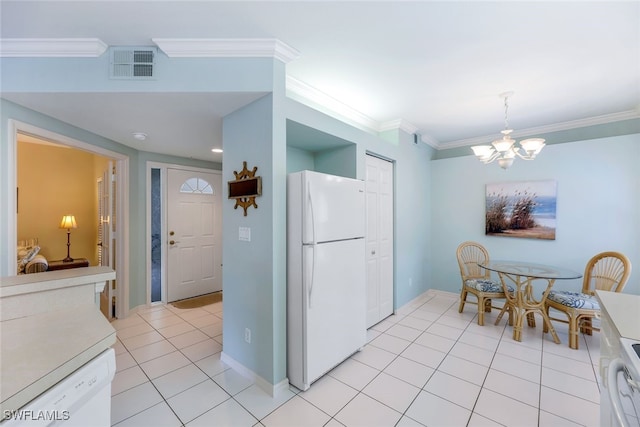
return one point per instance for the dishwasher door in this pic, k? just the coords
(83, 399)
(624, 385)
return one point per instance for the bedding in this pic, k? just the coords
(29, 261)
(37, 265)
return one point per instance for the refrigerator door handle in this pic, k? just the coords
(310, 264)
(313, 219)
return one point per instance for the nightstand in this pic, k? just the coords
(60, 265)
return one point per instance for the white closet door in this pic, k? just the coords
(379, 189)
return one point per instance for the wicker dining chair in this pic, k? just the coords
(477, 281)
(607, 271)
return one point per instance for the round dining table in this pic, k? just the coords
(522, 301)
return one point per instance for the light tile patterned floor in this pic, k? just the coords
(427, 365)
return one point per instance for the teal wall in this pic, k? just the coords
(249, 266)
(172, 75)
(338, 161)
(299, 160)
(255, 272)
(598, 207)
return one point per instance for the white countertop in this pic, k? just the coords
(624, 311)
(34, 294)
(38, 282)
(39, 351)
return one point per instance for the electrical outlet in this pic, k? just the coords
(410, 281)
(247, 335)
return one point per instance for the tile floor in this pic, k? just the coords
(427, 365)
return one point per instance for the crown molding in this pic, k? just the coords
(401, 124)
(556, 127)
(52, 48)
(312, 97)
(227, 48)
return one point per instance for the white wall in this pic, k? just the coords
(598, 208)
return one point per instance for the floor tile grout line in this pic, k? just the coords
(472, 410)
(165, 400)
(396, 356)
(489, 369)
(380, 371)
(208, 377)
(436, 369)
(402, 414)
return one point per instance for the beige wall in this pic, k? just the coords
(55, 181)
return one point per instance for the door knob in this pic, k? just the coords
(373, 252)
(171, 233)
(172, 242)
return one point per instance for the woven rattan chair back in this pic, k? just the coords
(607, 271)
(469, 255)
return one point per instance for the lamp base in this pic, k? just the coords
(68, 258)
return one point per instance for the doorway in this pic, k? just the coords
(184, 232)
(83, 246)
(380, 238)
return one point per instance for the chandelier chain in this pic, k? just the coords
(506, 108)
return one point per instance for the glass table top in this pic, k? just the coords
(529, 269)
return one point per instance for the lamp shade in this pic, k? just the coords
(532, 144)
(68, 221)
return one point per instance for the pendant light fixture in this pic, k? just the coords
(503, 149)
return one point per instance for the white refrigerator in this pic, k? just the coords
(326, 296)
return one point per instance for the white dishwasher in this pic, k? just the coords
(623, 385)
(619, 359)
(82, 399)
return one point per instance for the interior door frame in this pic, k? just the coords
(122, 201)
(163, 192)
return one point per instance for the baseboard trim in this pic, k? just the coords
(443, 293)
(272, 390)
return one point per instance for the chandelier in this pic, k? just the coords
(503, 149)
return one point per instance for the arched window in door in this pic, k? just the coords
(196, 186)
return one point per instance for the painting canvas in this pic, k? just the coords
(521, 209)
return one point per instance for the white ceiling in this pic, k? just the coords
(437, 66)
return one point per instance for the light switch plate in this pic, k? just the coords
(244, 234)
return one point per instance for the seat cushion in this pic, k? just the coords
(486, 285)
(574, 299)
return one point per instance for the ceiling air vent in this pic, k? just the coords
(132, 63)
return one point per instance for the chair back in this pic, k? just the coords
(607, 271)
(469, 254)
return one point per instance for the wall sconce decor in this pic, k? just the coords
(68, 222)
(245, 188)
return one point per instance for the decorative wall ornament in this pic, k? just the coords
(245, 188)
(521, 209)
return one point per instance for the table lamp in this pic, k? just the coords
(68, 222)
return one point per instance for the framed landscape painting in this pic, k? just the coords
(521, 209)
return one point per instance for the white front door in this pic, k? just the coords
(106, 235)
(379, 188)
(194, 225)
